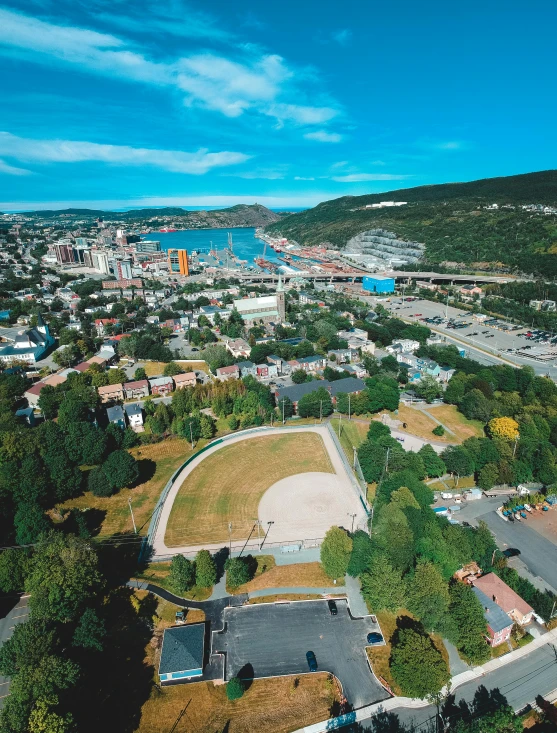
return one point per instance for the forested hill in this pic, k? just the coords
(249, 215)
(450, 219)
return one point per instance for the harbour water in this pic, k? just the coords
(246, 246)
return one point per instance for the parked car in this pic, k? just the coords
(511, 552)
(374, 638)
(312, 661)
(333, 610)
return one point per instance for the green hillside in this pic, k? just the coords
(450, 219)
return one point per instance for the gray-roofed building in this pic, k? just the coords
(182, 653)
(350, 385)
(161, 385)
(116, 415)
(246, 368)
(499, 624)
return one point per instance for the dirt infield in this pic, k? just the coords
(294, 479)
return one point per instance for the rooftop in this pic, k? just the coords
(493, 614)
(182, 649)
(505, 597)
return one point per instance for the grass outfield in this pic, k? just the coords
(352, 433)
(227, 485)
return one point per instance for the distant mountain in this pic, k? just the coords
(450, 219)
(253, 215)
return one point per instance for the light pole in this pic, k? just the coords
(355, 455)
(320, 410)
(349, 395)
(353, 518)
(131, 512)
(283, 401)
(191, 436)
(339, 422)
(230, 539)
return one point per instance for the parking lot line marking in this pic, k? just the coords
(21, 615)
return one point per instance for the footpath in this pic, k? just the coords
(406, 702)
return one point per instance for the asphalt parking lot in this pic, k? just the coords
(268, 640)
(13, 611)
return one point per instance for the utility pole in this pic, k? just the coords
(258, 522)
(131, 512)
(515, 444)
(353, 518)
(349, 395)
(320, 410)
(283, 401)
(387, 460)
(229, 539)
(355, 456)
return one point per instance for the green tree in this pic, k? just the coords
(90, 631)
(121, 469)
(335, 552)
(416, 665)
(63, 576)
(233, 422)
(488, 476)
(43, 719)
(97, 482)
(383, 587)
(235, 688)
(362, 548)
(172, 369)
(30, 522)
(468, 616)
(315, 404)
(458, 461)
(285, 407)
(139, 374)
(428, 388)
(182, 574)
(428, 596)
(14, 566)
(433, 464)
(299, 376)
(29, 642)
(207, 426)
(205, 570)
(237, 572)
(438, 430)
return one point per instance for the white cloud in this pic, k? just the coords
(323, 136)
(450, 145)
(342, 37)
(11, 170)
(257, 82)
(303, 178)
(358, 177)
(76, 151)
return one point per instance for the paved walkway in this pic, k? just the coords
(335, 590)
(343, 480)
(358, 607)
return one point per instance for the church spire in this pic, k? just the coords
(280, 287)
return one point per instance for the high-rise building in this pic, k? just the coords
(81, 241)
(178, 261)
(64, 253)
(100, 262)
(147, 245)
(124, 269)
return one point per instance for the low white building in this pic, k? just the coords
(134, 413)
(403, 346)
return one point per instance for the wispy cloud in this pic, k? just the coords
(342, 37)
(303, 178)
(255, 82)
(76, 151)
(359, 177)
(323, 136)
(11, 170)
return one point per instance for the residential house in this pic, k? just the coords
(343, 356)
(134, 414)
(505, 597)
(185, 380)
(34, 392)
(403, 346)
(182, 653)
(267, 371)
(355, 370)
(161, 386)
(499, 625)
(111, 393)
(247, 368)
(102, 323)
(312, 363)
(239, 348)
(349, 385)
(468, 291)
(277, 361)
(417, 366)
(306, 298)
(445, 374)
(26, 415)
(136, 390)
(117, 416)
(228, 372)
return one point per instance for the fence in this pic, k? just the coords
(356, 477)
(253, 547)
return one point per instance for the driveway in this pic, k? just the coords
(269, 640)
(537, 553)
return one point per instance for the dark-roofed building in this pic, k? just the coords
(116, 415)
(137, 389)
(247, 368)
(350, 385)
(182, 653)
(28, 346)
(499, 625)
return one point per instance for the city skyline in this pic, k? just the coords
(109, 106)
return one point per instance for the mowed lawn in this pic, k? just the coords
(455, 421)
(157, 464)
(227, 485)
(352, 434)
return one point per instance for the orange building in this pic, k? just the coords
(178, 261)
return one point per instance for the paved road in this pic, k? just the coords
(272, 639)
(539, 554)
(536, 674)
(13, 611)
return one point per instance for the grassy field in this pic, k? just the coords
(352, 433)
(299, 575)
(455, 421)
(228, 485)
(420, 424)
(156, 368)
(157, 463)
(192, 365)
(464, 482)
(158, 573)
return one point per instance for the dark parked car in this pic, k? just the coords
(511, 552)
(312, 661)
(374, 638)
(333, 610)
(466, 524)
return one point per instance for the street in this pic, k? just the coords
(13, 610)
(536, 674)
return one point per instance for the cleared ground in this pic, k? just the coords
(227, 486)
(302, 575)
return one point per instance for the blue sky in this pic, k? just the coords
(286, 103)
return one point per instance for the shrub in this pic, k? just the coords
(235, 688)
(335, 552)
(205, 569)
(438, 430)
(98, 484)
(182, 574)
